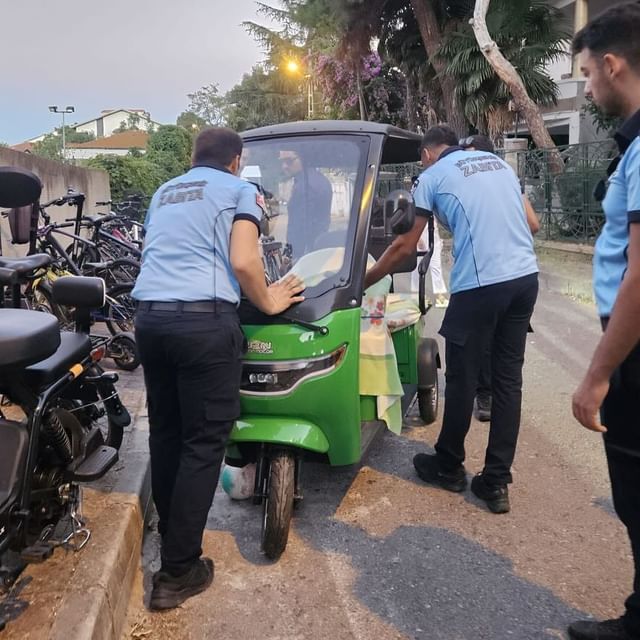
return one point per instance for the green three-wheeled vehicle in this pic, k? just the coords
(322, 378)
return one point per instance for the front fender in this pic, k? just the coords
(279, 430)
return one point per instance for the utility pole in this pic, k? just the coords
(69, 109)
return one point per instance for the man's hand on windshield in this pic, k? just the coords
(284, 293)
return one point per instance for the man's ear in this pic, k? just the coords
(613, 64)
(234, 167)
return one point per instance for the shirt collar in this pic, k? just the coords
(217, 167)
(449, 150)
(629, 130)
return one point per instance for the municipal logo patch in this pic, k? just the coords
(260, 201)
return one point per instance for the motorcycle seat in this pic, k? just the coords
(12, 455)
(73, 348)
(26, 337)
(18, 187)
(26, 265)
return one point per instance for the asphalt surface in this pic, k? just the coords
(375, 553)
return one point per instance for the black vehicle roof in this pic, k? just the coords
(405, 141)
(329, 126)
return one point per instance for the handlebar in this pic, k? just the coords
(71, 198)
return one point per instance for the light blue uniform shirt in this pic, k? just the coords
(621, 207)
(188, 230)
(477, 197)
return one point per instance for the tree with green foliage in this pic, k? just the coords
(530, 34)
(128, 174)
(264, 98)
(169, 150)
(51, 145)
(208, 105)
(192, 122)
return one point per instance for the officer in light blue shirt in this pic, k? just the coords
(494, 286)
(201, 248)
(608, 398)
(178, 263)
(622, 208)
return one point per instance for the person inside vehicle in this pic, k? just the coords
(309, 206)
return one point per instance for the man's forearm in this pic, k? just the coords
(393, 257)
(622, 333)
(252, 282)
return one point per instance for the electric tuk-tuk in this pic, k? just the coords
(336, 193)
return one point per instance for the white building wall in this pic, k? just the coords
(87, 154)
(111, 122)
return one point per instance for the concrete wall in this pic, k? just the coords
(56, 179)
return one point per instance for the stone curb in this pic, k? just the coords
(95, 605)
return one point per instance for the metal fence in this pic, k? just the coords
(564, 201)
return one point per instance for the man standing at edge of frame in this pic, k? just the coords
(609, 52)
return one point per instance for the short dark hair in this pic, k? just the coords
(438, 135)
(613, 31)
(217, 145)
(479, 142)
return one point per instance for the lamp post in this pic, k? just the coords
(69, 109)
(293, 67)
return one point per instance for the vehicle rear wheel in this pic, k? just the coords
(428, 389)
(123, 351)
(428, 403)
(278, 504)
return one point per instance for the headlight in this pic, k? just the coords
(280, 377)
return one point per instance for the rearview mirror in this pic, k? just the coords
(399, 213)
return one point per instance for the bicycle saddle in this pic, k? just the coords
(18, 187)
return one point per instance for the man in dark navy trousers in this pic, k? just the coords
(609, 51)
(201, 246)
(494, 286)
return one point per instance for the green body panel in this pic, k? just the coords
(280, 430)
(329, 402)
(368, 408)
(405, 342)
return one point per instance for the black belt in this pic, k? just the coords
(202, 306)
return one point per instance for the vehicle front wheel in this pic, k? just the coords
(278, 504)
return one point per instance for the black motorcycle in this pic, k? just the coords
(71, 419)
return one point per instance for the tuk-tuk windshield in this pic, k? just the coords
(311, 188)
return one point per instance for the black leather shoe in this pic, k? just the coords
(605, 630)
(428, 470)
(482, 409)
(169, 591)
(496, 496)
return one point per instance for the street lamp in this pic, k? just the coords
(293, 66)
(54, 109)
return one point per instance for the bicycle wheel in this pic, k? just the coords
(120, 309)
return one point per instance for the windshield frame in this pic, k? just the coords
(363, 142)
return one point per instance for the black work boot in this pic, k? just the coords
(169, 591)
(429, 471)
(482, 408)
(605, 630)
(496, 496)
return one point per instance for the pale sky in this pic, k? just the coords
(104, 54)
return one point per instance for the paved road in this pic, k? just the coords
(374, 553)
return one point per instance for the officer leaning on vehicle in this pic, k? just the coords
(494, 286)
(201, 246)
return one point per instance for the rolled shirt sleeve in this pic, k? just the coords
(424, 192)
(250, 204)
(632, 179)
